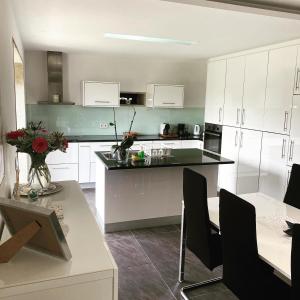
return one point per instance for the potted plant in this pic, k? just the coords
(121, 151)
(38, 143)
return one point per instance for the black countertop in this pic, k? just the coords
(111, 138)
(179, 157)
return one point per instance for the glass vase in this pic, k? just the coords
(122, 156)
(39, 177)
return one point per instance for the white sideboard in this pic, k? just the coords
(91, 273)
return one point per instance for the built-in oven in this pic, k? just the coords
(213, 137)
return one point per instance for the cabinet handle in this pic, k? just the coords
(286, 116)
(291, 154)
(220, 114)
(283, 148)
(168, 102)
(238, 116)
(101, 101)
(62, 168)
(84, 146)
(242, 139)
(236, 138)
(288, 178)
(243, 116)
(297, 79)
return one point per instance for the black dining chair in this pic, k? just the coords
(197, 233)
(244, 273)
(295, 263)
(292, 195)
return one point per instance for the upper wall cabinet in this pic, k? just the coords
(256, 71)
(164, 95)
(234, 91)
(280, 86)
(102, 94)
(215, 89)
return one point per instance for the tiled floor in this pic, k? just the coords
(147, 260)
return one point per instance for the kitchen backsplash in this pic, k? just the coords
(78, 120)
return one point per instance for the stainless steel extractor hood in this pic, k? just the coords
(55, 79)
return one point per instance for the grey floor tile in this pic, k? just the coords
(143, 283)
(118, 235)
(127, 252)
(218, 295)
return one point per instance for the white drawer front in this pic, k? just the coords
(63, 172)
(70, 157)
(138, 144)
(192, 144)
(170, 144)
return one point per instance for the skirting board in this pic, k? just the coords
(136, 224)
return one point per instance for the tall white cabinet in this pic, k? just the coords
(215, 89)
(234, 91)
(273, 169)
(280, 87)
(244, 147)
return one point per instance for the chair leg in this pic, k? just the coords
(196, 285)
(182, 245)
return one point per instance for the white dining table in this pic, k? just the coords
(274, 246)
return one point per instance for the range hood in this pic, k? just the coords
(55, 79)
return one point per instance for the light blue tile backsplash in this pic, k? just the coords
(78, 120)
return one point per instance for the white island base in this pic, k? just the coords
(144, 197)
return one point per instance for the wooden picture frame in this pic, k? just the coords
(38, 227)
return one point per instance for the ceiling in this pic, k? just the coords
(79, 26)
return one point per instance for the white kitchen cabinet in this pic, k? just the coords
(102, 94)
(164, 95)
(294, 142)
(99, 146)
(280, 86)
(84, 162)
(249, 161)
(215, 91)
(273, 168)
(234, 91)
(62, 172)
(137, 145)
(256, 71)
(68, 157)
(165, 143)
(186, 144)
(230, 149)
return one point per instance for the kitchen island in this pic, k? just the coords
(149, 193)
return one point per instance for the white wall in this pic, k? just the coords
(8, 31)
(131, 71)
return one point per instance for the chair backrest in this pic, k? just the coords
(239, 244)
(196, 216)
(295, 263)
(292, 195)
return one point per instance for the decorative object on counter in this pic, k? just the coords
(121, 152)
(53, 188)
(34, 227)
(133, 134)
(33, 195)
(38, 143)
(16, 191)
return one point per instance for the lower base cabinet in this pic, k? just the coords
(63, 172)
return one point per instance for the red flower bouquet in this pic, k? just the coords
(38, 143)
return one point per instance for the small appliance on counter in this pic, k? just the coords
(164, 129)
(182, 130)
(197, 130)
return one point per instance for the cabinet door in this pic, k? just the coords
(273, 168)
(256, 71)
(186, 144)
(169, 144)
(234, 91)
(215, 89)
(68, 157)
(168, 95)
(101, 94)
(230, 148)
(64, 172)
(279, 93)
(249, 161)
(84, 162)
(294, 143)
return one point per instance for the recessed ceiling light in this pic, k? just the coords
(141, 38)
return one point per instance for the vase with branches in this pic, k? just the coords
(121, 151)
